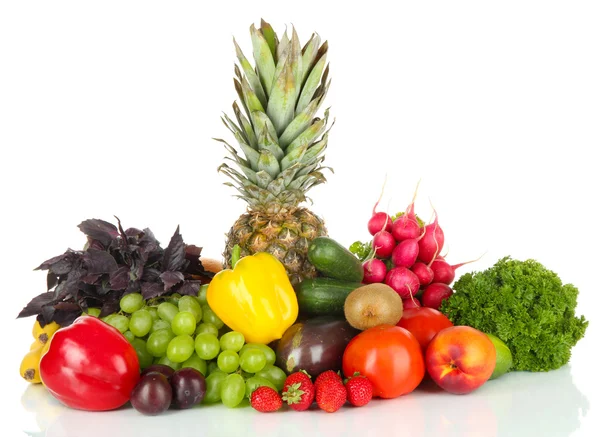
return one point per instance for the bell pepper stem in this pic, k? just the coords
(235, 255)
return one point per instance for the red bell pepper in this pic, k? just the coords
(89, 365)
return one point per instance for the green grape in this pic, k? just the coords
(197, 363)
(167, 311)
(131, 302)
(254, 382)
(273, 374)
(252, 360)
(233, 390)
(208, 328)
(153, 312)
(202, 294)
(143, 355)
(167, 362)
(183, 323)
(207, 346)
(159, 341)
(232, 341)
(159, 324)
(107, 319)
(180, 348)
(213, 387)
(191, 304)
(140, 323)
(213, 367)
(93, 312)
(228, 361)
(209, 316)
(129, 336)
(269, 353)
(174, 299)
(120, 322)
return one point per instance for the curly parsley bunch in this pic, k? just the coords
(526, 306)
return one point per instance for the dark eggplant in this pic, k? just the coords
(314, 345)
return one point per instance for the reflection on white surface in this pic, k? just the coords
(541, 404)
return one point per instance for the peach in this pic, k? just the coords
(460, 359)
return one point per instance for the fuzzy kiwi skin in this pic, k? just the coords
(373, 305)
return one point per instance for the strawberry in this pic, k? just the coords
(360, 390)
(298, 391)
(265, 399)
(331, 395)
(327, 375)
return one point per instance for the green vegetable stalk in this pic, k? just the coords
(526, 306)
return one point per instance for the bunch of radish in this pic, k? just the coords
(406, 256)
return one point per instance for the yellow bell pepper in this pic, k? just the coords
(255, 298)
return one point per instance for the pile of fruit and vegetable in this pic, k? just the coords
(290, 319)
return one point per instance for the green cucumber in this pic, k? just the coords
(334, 261)
(323, 296)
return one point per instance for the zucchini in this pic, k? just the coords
(334, 261)
(323, 296)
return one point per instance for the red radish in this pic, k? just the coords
(423, 272)
(405, 253)
(403, 281)
(383, 244)
(432, 242)
(434, 294)
(405, 227)
(411, 303)
(375, 271)
(379, 221)
(444, 272)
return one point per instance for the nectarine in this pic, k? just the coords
(460, 359)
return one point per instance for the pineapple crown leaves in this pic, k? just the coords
(281, 139)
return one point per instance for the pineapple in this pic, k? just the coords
(282, 144)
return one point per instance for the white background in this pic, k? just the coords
(109, 108)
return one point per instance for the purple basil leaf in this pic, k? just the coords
(47, 313)
(91, 279)
(171, 278)
(119, 278)
(192, 255)
(189, 288)
(65, 317)
(68, 287)
(51, 281)
(152, 289)
(67, 306)
(174, 256)
(100, 230)
(134, 232)
(95, 244)
(35, 305)
(60, 264)
(151, 275)
(99, 261)
(111, 305)
(132, 287)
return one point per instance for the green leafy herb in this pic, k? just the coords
(361, 250)
(526, 306)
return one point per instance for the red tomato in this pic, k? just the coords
(424, 323)
(389, 356)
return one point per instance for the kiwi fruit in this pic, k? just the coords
(373, 305)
